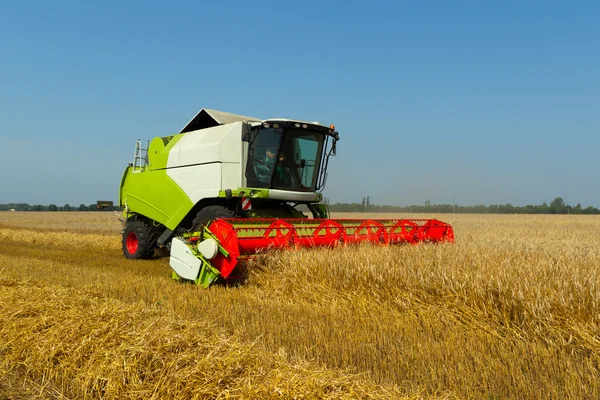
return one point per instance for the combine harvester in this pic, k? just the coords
(229, 186)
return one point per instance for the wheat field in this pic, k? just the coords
(511, 310)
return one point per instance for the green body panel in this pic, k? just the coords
(253, 193)
(257, 193)
(208, 274)
(158, 151)
(154, 195)
(122, 186)
(261, 193)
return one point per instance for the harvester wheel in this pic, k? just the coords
(138, 240)
(210, 213)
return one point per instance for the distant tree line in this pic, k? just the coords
(557, 206)
(52, 207)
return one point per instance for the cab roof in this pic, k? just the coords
(207, 118)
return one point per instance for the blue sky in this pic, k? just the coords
(483, 102)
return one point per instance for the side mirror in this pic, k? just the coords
(302, 163)
(334, 149)
(246, 132)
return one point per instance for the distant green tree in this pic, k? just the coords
(52, 207)
(66, 207)
(37, 207)
(92, 207)
(83, 207)
(558, 206)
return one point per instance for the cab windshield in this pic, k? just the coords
(284, 158)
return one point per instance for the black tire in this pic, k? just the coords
(210, 213)
(139, 240)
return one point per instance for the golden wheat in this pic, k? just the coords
(86, 346)
(512, 310)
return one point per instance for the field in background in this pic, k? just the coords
(512, 310)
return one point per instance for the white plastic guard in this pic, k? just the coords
(208, 248)
(183, 261)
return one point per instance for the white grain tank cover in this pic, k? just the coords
(207, 118)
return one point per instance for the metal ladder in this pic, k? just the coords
(140, 157)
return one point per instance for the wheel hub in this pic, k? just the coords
(132, 242)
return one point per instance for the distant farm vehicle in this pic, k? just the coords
(105, 205)
(228, 186)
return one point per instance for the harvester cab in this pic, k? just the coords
(287, 155)
(228, 186)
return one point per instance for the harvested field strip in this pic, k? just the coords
(88, 259)
(90, 347)
(61, 239)
(105, 223)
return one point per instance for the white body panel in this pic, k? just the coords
(219, 144)
(206, 161)
(233, 176)
(198, 181)
(183, 261)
